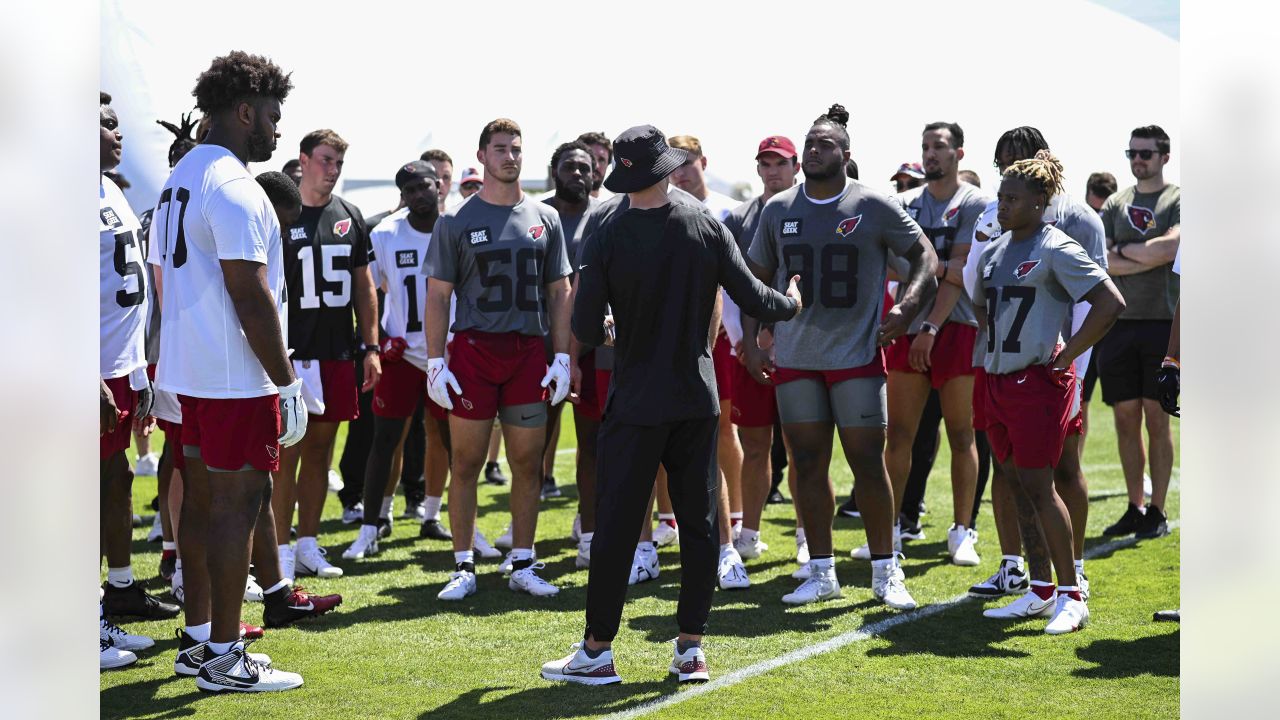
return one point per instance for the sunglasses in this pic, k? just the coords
(1144, 154)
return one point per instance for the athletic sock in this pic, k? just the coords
(387, 502)
(1043, 590)
(199, 633)
(282, 585)
(168, 546)
(1080, 566)
(683, 646)
(882, 564)
(120, 578)
(462, 557)
(432, 507)
(308, 543)
(822, 562)
(1070, 591)
(521, 558)
(668, 518)
(585, 538)
(735, 518)
(221, 648)
(881, 557)
(593, 654)
(800, 539)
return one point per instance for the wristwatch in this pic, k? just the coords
(929, 327)
(371, 348)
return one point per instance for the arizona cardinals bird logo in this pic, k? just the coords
(342, 227)
(848, 225)
(1142, 219)
(535, 232)
(1024, 269)
(946, 217)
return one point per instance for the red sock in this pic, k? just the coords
(668, 521)
(165, 555)
(1073, 594)
(1044, 591)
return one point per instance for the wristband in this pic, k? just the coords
(929, 327)
(1170, 362)
(371, 348)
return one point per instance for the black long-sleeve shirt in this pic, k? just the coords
(659, 270)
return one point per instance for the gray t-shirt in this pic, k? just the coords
(499, 259)
(1028, 288)
(743, 220)
(1132, 217)
(946, 223)
(573, 227)
(839, 249)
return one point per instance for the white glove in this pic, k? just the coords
(293, 414)
(559, 374)
(439, 380)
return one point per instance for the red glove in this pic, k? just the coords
(393, 349)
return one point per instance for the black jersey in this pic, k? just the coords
(322, 251)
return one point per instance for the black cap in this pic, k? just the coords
(642, 158)
(414, 170)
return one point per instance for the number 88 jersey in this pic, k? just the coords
(399, 253)
(839, 248)
(123, 297)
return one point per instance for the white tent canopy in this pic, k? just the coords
(397, 79)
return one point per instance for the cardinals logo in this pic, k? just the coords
(1142, 219)
(467, 404)
(848, 225)
(946, 217)
(624, 161)
(1024, 269)
(537, 231)
(342, 227)
(273, 452)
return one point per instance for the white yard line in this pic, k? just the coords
(826, 646)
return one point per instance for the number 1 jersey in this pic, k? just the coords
(123, 287)
(396, 262)
(322, 253)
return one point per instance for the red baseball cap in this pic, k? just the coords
(776, 144)
(471, 175)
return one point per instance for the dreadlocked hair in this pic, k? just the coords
(183, 140)
(837, 117)
(239, 76)
(1023, 142)
(1042, 174)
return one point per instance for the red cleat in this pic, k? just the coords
(251, 632)
(284, 608)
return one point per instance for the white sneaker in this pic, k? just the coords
(750, 550)
(576, 533)
(1010, 579)
(664, 534)
(508, 564)
(732, 573)
(960, 543)
(480, 544)
(802, 559)
(120, 639)
(461, 584)
(175, 587)
(864, 551)
(335, 481)
(252, 590)
(365, 545)
(888, 586)
(353, 515)
(111, 657)
(691, 665)
(1082, 581)
(576, 667)
(288, 567)
(644, 565)
(527, 580)
(503, 541)
(1069, 615)
(312, 562)
(238, 672)
(156, 534)
(818, 585)
(147, 466)
(583, 560)
(1027, 605)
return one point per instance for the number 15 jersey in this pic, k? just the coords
(838, 247)
(499, 259)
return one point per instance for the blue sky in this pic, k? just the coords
(1159, 14)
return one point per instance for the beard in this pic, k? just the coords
(261, 146)
(931, 175)
(573, 195)
(826, 172)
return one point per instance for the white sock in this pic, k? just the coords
(1016, 559)
(749, 536)
(369, 531)
(800, 539)
(166, 545)
(221, 648)
(668, 518)
(1080, 566)
(120, 577)
(882, 566)
(735, 518)
(387, 502)
(586, 538)
(464, 556)
(823, 563)
(432, 506)
(284, 549)
(308, 544)
(518, 554)
(200, 633)
(284, 583)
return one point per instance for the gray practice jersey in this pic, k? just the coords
(573, 227)
(839, 249)
(1028, 288)
(499, 259)
(946, 223)
(743, 220)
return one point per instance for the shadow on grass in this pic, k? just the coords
(955, 633)
(556, 700)
(1119, 659)
(127, 701)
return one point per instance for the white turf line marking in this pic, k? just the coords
(826, 646)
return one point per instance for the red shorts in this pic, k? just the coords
(723, 362)
(173, 437)
(400, 390)
(1076, 426)
(233, 432)
(754, 405)
(603, 378)
(952, 354)
(875, 368)
(341, 395)
(1028, 416)
(589, 405)
(496, 370)
(126, 400)
(979, 399)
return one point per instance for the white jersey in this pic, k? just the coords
(211, 209)
(730, 316)
(398, 254)
(122, 298)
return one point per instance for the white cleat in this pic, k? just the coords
(120, 639)
(176, 588)
(576, 533)
(147, 466)
(961, 545)
(1069, 615)
(461, 584)
(691, 665)
(864, 551)
(508, 564)
(111, 657)
(577, 667)
(887, 584)
(156, 534)
(750, 549)
(1083, 581)
(353, 515)
(239, 672)
(365, 545)
(312, 561)
(664, 534)
(1010, 579)
(818, 585)
(1027, 605)
(252, 590)
(731, 571)
(527, 580)
(480, 544)
(644, 565)
(503, 541)
(335, 481)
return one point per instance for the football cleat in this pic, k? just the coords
(960, 545)
(527, 580)
(111, 657)
(493, 474)
(887, 584)
(192, 654)
(480, 544)
(283, 608)
(731, 572)
(353, 514)
(461, 584)
(132, 601)
(644, 565)
(365, 545)
(237, 671)
(1026, 606)
(665, 534)
(818, 585)
(1153, 524)
(503, 541)
(311, 561)
(121, 639)
(750, 549)
(1010, 579)
(1128, 523)
(1069, 615)
(434, 530)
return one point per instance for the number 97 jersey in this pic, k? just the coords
(399, 253)
(839, 248)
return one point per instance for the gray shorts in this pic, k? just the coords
(529, 415)
(857, 402)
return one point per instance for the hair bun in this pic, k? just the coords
(838, 114)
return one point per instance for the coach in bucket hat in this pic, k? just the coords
(642, 158)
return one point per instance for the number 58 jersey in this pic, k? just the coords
(839, 248)
(499, 259)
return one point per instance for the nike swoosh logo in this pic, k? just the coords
(1022, 379)
(528, 417)
(308, 606)
(864, 417)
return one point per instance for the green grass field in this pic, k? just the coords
(392, 650)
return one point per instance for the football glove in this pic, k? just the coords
(1168, 384)
(439, 380)
(393, 348)
(558, 373)
(293, 414)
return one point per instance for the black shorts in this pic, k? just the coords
(1129, 359)
(1091, 375)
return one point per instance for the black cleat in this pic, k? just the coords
(289, 605)
(493, 474)
(549, 489)
(1153, 524)
(776, 498)
(1167, 616)
(168, 566)
(384, 528)
(910, 529)
(850, 508)
(132, 601)
(434, 530)
(1128, 523)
